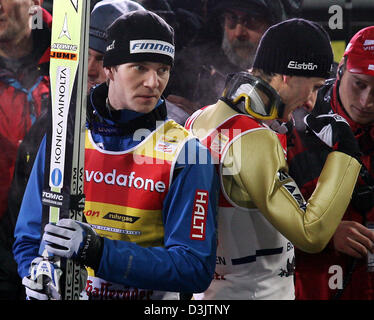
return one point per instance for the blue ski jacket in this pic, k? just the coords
(182, 264)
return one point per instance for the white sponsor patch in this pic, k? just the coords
(368, 45)
(368, 42)
(371, 67)
(116, 230)
(152, 46)
(166, 144)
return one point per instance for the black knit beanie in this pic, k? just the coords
(139, 36)
(296, 47)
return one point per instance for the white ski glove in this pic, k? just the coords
(334, 131)
(76, 240)
(43, 283)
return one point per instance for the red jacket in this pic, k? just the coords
(22, 90)
(317, 273)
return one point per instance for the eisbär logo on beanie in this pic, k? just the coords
(302, 65)
(295, 47)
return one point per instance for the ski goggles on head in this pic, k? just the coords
(253, 96)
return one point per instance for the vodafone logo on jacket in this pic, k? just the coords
(125, 180)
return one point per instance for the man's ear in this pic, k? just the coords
(109, 72)
(286, 79)
(341, 69)
(279, 81)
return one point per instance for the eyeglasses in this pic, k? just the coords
(249, 21)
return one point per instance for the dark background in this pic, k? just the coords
(357, 14)
(361, 15)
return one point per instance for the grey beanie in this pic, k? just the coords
(103, 15)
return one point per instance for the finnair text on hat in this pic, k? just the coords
(151, 46)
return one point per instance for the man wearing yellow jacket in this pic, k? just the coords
(262, 213)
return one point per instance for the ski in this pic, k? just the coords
(63, 195)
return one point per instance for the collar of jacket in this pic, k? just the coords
(101, 120)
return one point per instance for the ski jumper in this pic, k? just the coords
(142, 196)
(262, 213)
